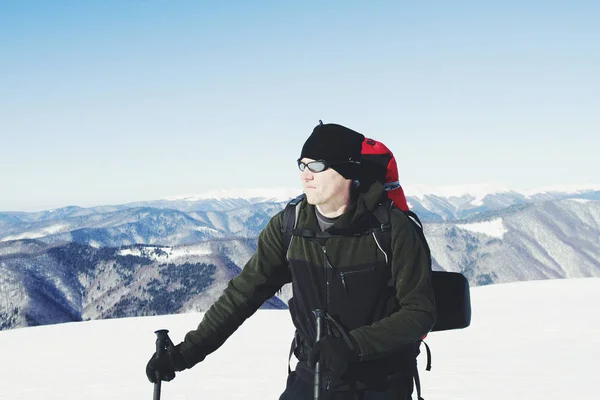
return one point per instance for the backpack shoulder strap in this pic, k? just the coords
(419, 228)
(383, 235)
(383, 214)
(290, 216)
(414, 218)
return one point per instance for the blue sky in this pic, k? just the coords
(117, 101)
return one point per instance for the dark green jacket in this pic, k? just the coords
(386, 307)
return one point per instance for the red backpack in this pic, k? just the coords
(385, 170)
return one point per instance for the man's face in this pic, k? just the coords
(323, 188)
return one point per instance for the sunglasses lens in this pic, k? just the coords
(316, 166)
(313, 166)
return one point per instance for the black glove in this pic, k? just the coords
(163, 367)
(334, 353)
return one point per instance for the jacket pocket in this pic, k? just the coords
(360, 296)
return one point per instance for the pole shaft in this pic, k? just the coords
(318, 323)
(156, 391)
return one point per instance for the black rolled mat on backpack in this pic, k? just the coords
(452, 300)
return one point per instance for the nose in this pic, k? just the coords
(306, 175)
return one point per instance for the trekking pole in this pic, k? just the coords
(162, 338)
(319, 322)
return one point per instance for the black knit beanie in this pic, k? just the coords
(337, 145)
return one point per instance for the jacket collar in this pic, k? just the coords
(357, 215)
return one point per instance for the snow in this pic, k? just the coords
(567, 189)
(266, 194)
(45, 231)
(494, 228)
(180, 252)
(131, 252)
(581, 201)
(171, 253)
(528, 340)
(477, 191)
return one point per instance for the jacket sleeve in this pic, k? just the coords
(262, 276)
(416, 313)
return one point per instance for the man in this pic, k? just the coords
(377, 306)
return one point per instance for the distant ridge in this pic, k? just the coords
(265, 194)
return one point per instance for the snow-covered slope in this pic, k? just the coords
(532, 340)
(555, 239)
(45, 284)
(458, 202)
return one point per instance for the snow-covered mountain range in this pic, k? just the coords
(175, 255)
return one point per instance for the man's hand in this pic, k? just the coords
(333, 353)
(163, 367)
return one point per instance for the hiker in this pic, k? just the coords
(377, 304)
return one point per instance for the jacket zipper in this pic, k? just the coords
(328, 269)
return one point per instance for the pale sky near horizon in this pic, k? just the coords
(112, 102)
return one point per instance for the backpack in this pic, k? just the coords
(451, 289)
(381, 165)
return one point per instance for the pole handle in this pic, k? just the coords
(162, 339)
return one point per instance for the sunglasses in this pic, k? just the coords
(320, 165)
(313, 166)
